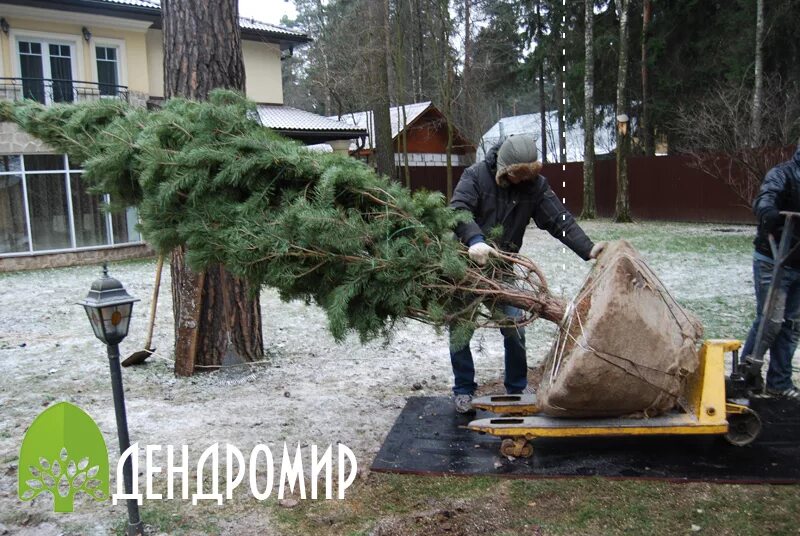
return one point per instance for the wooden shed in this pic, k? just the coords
(419, 135)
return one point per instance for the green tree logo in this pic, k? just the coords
(63, 453)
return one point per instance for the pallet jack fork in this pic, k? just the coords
(707, 412)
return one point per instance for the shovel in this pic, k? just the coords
(139, 357)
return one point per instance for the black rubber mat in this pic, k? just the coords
(427, 438)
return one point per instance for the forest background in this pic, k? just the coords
(692, 75)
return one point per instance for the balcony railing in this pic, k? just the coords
(48, 91)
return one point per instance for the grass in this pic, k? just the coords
(682, 238)
(724, 318)
(379, 496)
(172, 517)
(407, 505)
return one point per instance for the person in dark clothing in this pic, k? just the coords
(780, 191)
(506, 189)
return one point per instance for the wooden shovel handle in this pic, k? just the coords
(154, 302)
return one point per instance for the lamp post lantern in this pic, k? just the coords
(108, 306)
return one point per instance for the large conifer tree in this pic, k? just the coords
(214, 314)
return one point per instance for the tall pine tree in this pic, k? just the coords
(216, 317)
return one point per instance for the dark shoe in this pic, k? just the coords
(792, 393)
(527, 391)
(463, 404)
(754, 382)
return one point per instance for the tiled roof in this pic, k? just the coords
(247, 23)
(365, 120)
(281, 117)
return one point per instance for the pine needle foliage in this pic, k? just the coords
(319, 227)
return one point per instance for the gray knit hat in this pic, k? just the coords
(520, 149)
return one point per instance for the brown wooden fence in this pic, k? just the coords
(430, 177)
(661, 188)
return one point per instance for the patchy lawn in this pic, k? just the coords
(397, 505)
(311, 390)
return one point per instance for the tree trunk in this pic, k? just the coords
(542, 112)
(420, 53)
(406, 169)
(644, 121)
(542, 107)
(449, 153)
(758, 90)
(560, 63)
(467, 36)
(449, 118)
(382, 131)
(412, 51)
(589, 211)
(562, 137)
(469, 120)
(215, 315)
(326, 72)
(400, 82)
(623, 212)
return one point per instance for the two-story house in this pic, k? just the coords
(75, 50)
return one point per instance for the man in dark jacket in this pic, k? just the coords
(780, 191)
(506, 189)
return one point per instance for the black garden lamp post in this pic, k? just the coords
(108, 306)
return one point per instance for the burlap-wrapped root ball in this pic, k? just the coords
(625, 345)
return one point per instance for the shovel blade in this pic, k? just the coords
(137, 358)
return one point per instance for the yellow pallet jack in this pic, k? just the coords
(706, 411)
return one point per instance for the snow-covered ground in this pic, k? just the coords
(309, 390)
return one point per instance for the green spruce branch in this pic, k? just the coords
(318, 227)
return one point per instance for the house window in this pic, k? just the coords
(13, 232)
(45, 205)
(108, 69)
(91, 223)
(48, 205)
(46, 71)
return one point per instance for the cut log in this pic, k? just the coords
(624, 347)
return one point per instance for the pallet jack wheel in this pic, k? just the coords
(516, 448)
(743, 428)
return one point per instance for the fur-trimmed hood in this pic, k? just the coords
(514, 174)
(797, 156)
(518, 173)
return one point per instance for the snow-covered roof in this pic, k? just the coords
(286, 118)
(366, 121)
(253, 24)
(604, 135)
(139, 3)
(320, 148)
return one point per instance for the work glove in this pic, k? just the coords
(771, 220)
(480, 252)
(597, 249)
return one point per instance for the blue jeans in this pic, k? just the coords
(782, 331)
(516, 362)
